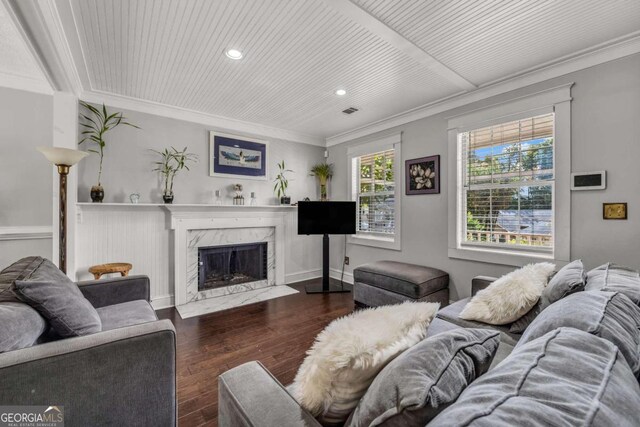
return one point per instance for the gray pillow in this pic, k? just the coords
(58, 300)
(608, 315)
(427, 378)
(19, 270)
(570, 279)
(20, 326)
(615, 278)
(564, 378)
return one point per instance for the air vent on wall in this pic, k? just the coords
(350, 110)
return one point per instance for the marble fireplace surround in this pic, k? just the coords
(189, 225)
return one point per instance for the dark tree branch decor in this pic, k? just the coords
(172, 161)
(96, 125)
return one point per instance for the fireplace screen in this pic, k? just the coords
(231, 265)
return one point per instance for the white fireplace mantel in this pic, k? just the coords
(185, 218)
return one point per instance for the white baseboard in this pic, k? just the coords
(302, 275)
(163, 301)
(335, 273)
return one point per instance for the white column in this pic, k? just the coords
(65, 135)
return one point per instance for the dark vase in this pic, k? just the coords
(285, 200)
(168, 199)
(97, 194)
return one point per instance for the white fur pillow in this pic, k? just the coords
(349, 353)
(510, 297)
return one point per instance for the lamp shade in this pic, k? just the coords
(63, 156)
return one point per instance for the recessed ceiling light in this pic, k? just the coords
(341, 92)
(233, 54)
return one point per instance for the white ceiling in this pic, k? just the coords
(390, 55)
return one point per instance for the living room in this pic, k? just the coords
(256, 213)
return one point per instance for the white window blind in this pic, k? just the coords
(374, 182)
(508, 184)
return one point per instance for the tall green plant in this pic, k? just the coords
(324, 172)
(281, 180)
(172, 161)
(96, 127)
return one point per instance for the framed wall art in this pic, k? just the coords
(422, 176)
(233, 156)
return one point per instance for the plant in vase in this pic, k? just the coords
(324, 172)
(95, 129)
(172, 161)
(281, 184)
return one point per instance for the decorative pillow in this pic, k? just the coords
(510, 297)
(615, 278)
(570, 279)
(58, 300)
(424, 380)
(608, 315)
(349, 353)
(19, 270)
(564, 378)
(20, 326)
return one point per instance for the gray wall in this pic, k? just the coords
(26, 121)
(128, 165)
(605, 129)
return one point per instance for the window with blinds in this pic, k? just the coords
(508, 184)
(374, 182)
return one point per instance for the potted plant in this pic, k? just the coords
(281, 184)
(95, 129)
(324, 172)
(172, 161)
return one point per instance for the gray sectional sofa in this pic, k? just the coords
(123, 374)
(577, 363)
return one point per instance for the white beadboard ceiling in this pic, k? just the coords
(390, 55)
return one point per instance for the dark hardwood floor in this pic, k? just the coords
(277, 332)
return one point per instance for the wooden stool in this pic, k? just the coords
(115, 267)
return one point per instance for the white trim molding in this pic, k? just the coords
(25, 83)
(558, 100)
(32, 232)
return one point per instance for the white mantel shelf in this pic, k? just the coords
(182, 207)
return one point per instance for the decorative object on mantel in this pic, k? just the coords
(238, 199)
(217, 200)
(234, 156)
(324, 172)
(114, 267)
(423, 175)
(614, 211)
(94, 131)
(173, 161)
(254, 201)
(281, 184)
(134, 198)
(63, 158)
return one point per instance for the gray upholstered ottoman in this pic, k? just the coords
(391, 282)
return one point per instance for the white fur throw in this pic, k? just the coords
(349, 353)
(510, 297)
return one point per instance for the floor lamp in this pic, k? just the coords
(63, 158)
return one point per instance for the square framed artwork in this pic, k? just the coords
(422, 176)
(233, 156)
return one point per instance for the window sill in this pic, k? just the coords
(377, 242)
(497, 256)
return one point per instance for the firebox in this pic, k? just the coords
(229, 265)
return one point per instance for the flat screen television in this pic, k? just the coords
(326, 217)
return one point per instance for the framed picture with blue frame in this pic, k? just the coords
(233, 156)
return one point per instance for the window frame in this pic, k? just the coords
(556, 100)
(388, 142)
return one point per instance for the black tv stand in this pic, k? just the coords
(326, 288)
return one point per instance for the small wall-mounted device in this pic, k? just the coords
(589, 180)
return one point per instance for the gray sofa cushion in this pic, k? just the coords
(540, 384)
(425, 379)
(126, 314)
(414, 281)
(58, 300)
(608, 315)
(20, 326)
(19, 270)
(450, 314)
(615, 278)
(570, 279)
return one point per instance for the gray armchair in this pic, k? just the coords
(124, 375)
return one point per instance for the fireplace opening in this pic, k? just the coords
(229, 265)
